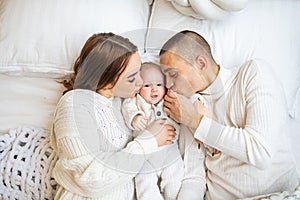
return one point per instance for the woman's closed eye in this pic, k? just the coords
(131, 80)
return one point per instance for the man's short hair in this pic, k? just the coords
(187, 45)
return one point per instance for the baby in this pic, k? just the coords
(161, 177)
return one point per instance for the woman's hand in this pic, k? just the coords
(163, 133)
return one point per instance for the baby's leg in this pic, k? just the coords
(146, 184)
(171, 179)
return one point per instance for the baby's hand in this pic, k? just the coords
(139, 122)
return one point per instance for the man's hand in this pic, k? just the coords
(139, 122)
(183, 110)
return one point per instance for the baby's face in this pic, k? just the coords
(153, 89)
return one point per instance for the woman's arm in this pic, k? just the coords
(82, 167)
(194, 181)
(98, 173)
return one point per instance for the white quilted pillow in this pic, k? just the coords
(43, 38)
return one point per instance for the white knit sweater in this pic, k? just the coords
(97, 159)
(249, 128)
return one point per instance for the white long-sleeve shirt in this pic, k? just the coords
(249, 127)
(97, 159)
(132, 107)
(168, 164)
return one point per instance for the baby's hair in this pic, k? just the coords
(144, 64)
(152, 64)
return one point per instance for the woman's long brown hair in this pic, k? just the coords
(102, 60)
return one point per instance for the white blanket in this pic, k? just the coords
(26, 160)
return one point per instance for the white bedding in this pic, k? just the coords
(295, 134)
(27, 101)
(43, 38)
(39, 42)
(264, 29)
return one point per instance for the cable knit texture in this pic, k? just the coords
(249, 127)
(97, 159)
(26, 160)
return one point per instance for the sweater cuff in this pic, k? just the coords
(208, 131)
(147, 142)
(191, 190)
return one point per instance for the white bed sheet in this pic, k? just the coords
(295, 134)
(27, 101)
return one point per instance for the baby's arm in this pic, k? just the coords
(139, 122)
(130, 111)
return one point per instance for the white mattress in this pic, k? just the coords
(295, 135)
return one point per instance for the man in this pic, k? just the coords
(238, 116)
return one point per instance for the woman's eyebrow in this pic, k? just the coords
(131, 75)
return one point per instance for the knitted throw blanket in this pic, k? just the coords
(27, 160)
(26, 163)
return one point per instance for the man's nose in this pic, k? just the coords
(169, 83)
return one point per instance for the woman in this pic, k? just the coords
(97, 158)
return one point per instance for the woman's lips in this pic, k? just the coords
(137, 91)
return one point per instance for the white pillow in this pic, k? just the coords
(27, 101)
(264, 29)
(208, 9)
(43, 38)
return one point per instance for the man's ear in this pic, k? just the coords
(202, 62)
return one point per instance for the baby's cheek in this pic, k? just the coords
(144, 93)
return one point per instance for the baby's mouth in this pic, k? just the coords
(154, 96)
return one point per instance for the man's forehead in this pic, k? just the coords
(169, 58)
(167, 65)
(169, 55)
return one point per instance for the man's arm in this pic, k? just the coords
(194, 181)
(265, 111)
(266, 114)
